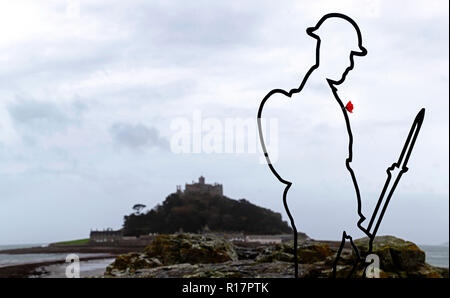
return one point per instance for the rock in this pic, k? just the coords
(429, 271)
(307, 253)
(247, 253)
(131, 262)
(275, 253)
(175, 249)
(394, 253)
(231, 269)
(191, 248)
(312, 252)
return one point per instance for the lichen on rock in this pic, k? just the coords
(394, 253)
(307, 253)
(130, 263)
(175, 249)
(191, 248)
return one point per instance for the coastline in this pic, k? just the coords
(72, 249)
(32, 269)
(38, 269)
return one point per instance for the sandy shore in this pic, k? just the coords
(89, 265)
(43, 269)
(88, 268)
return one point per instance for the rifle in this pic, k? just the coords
(394, 173)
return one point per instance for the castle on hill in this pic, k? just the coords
(201, 187)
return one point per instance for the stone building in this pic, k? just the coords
(107, 235)
(264, 239)
(202, 187)
(110, 237)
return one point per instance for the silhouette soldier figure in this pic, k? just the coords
(331, 79)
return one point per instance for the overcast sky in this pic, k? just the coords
(89, 90)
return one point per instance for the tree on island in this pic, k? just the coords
(138, 208)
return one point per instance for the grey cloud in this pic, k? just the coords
(137, 136)
(164, 93)
(44, 116)
(200, 23)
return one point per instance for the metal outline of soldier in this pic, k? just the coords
(394, 172)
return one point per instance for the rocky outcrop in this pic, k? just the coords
(394, 253)
(235, 269)
(307, 253)
(176, 249)
(191, 255)
(190, 248)
(400, 258)
(129, 263)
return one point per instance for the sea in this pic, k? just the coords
(436, 255)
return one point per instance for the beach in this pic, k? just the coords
(88, 268)
(43, 261)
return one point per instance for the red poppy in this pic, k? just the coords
(349, 107)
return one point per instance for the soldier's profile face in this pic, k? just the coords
(335, 60)
(338, 40)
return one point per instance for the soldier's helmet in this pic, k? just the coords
(337, 25)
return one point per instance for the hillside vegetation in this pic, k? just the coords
(195, 212)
